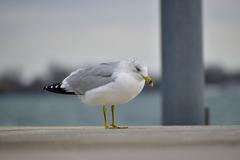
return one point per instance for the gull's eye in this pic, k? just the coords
(138, 69)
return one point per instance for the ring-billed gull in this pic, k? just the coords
(105, 84)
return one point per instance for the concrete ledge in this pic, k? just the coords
(140, 139)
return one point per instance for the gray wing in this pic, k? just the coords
(89, 78)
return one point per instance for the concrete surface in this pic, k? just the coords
(140, 142)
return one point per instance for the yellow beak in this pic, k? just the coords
(148, 80)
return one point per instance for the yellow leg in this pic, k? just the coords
(104, 109)
(113, 116)
(113, 125)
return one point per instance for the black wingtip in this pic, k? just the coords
(44, 88)
(56, 88)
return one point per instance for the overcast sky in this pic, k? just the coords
(35, 33)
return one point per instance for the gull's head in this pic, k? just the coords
(139, 71)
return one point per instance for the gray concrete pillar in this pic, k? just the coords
(182, 62)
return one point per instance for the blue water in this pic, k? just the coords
(54, 109)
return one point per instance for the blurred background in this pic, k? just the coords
(41, 42)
